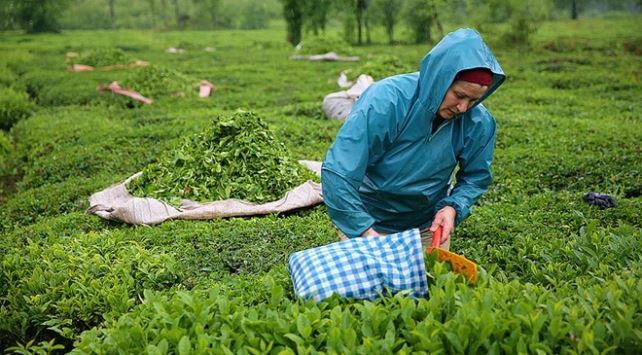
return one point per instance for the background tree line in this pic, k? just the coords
(421, 20)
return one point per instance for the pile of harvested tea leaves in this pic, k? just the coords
(103, 57)
(155, 80)
(235, 157)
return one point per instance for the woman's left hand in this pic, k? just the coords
(445, 218)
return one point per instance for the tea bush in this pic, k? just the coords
(7, 77)
(61, 88)
(6, 147)
(382, 66)
(14, 106)
(493, 317)
(29, 206)
(76, 282)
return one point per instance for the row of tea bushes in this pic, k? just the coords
(14, 106)
(494, 317)
(68, 273)
(73, 283)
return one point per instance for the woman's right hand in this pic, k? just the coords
(370, 232)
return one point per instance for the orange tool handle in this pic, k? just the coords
(436, 237)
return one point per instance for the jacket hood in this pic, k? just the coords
(457, 51)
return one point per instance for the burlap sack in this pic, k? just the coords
(117, 204)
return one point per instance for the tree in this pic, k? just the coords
(36, 16)
(164, 13)
(152, 10)
(420, 17)
(211, 8)
(181, 20)
(316, 14)
(112, 12)
(360, 8)
(574, 9)
(387, 11)
(293, 14)
(254, 16)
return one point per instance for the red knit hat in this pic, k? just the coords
(481, 76)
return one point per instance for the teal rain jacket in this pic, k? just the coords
(386, 169)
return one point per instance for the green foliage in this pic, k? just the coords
(459, 319)
(103, 57)
(420, 15)
(324, 44)
(317, 15)
(235, 157)
(37, 16)
(7, 76)
(6, 148)
(387, 12)
(14, 106)
(523, 17)
(293, 15)
(155, 80)
(85, 144)
(383, 66)
(44, 347)
(74, 283)
(62, 88)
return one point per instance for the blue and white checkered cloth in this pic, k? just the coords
(361, 268)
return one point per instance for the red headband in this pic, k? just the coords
(481, 76)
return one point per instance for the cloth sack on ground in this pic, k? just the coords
(338, 104)
(326, 57)
(361, 268)
(117, 204)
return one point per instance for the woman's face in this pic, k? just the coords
(461, 95)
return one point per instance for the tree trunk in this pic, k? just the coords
(367, 27)
(389, 21)
(177, 14)
(293, 13)
(164, 13)
(152, 10)
(112, 13)
(574, 9)
(359, 15)
(435, 18)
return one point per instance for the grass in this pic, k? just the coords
(560, 276)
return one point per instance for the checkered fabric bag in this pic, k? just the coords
(361, 268)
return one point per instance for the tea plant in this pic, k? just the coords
(382, 66)
(14, 106)
(77, 282)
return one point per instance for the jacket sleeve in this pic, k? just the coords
(474, 175)
(363, 139)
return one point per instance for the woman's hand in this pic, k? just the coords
(370, 232)
(445, 218)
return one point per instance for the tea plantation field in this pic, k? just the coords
(559, 276)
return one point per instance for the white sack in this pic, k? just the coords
(338, 104)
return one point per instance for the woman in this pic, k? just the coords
(390, 167)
